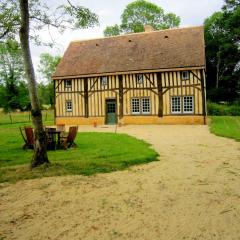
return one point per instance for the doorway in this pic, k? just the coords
(111, 116)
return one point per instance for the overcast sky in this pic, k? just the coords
(191, 12)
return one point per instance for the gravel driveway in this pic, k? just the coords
(193, 192)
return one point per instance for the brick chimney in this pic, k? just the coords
(148, 28)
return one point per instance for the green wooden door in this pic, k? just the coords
(111, 117)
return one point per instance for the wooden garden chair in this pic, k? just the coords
(68, 141)
(28, 137)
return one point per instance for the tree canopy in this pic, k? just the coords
(46, 68)
(62, 17)
(47, 65)
(13, 94)
(140, 13)
(222, 36)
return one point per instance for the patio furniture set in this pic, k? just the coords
(56, 138)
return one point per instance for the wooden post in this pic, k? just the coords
(54, 100)
(160, 95)
(120, 96)
(86, 97)
(203, 95)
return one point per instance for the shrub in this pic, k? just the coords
(216, 109)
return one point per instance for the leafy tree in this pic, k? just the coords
(15, 17)
(46, 68)
(112, 31)
(13, 88)
(140, 13)
(223, 52)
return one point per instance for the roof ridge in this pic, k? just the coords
(139, 33)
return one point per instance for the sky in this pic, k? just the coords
(191, 12)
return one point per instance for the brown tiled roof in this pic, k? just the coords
(167, 49)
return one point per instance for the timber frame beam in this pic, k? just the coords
(203, 95)
(86, 107)
(160, 95)
(120, 96)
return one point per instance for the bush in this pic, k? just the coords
(216, 109)
(234, 110)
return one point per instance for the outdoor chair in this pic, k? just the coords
(68, 141)
(28, 137)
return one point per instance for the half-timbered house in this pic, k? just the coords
(155, 77)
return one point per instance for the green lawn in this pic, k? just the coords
(24, 117)
(95, 153)
(226, 126)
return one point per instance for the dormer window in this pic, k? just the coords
(104, 80)
(68, 83)
(185, 75)
(139, 78)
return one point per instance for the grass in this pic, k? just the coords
(226, 126)
(95, 153)
(24, 117)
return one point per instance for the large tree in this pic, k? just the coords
(13, 94)
(222, 35)
(15, 17)
(46, 68)
(140, 13)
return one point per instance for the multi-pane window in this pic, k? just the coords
(185, 75)
(104, 80)
(145, 105)
(69, 106)
(111, 107)
(188, 104)
(68, 83)
(135, 105)
(176, 105)
(183, 104)
(139, 78)
(140, 105)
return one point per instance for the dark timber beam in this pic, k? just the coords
(160, 95)
(203, 95)
(54, 100)
(86, 97)
(120, 96)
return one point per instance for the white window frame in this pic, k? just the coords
(140, 100)
(185, 77)
(139, 78)
(183, 103)
(176, 112)
(68, 109)
(104, 80)
(139, 104)
(66, 83)
(141, 108)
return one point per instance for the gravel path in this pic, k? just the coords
(193, 192)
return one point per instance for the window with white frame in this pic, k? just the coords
(185, 75)
(139, 78)
(68, 83)
(176, 105)
(135, 105)
(145, 105)
(188, 104)
(140, 105)
(69, 106)
(104, 80)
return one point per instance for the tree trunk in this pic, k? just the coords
(218, 69)
(40, 150)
